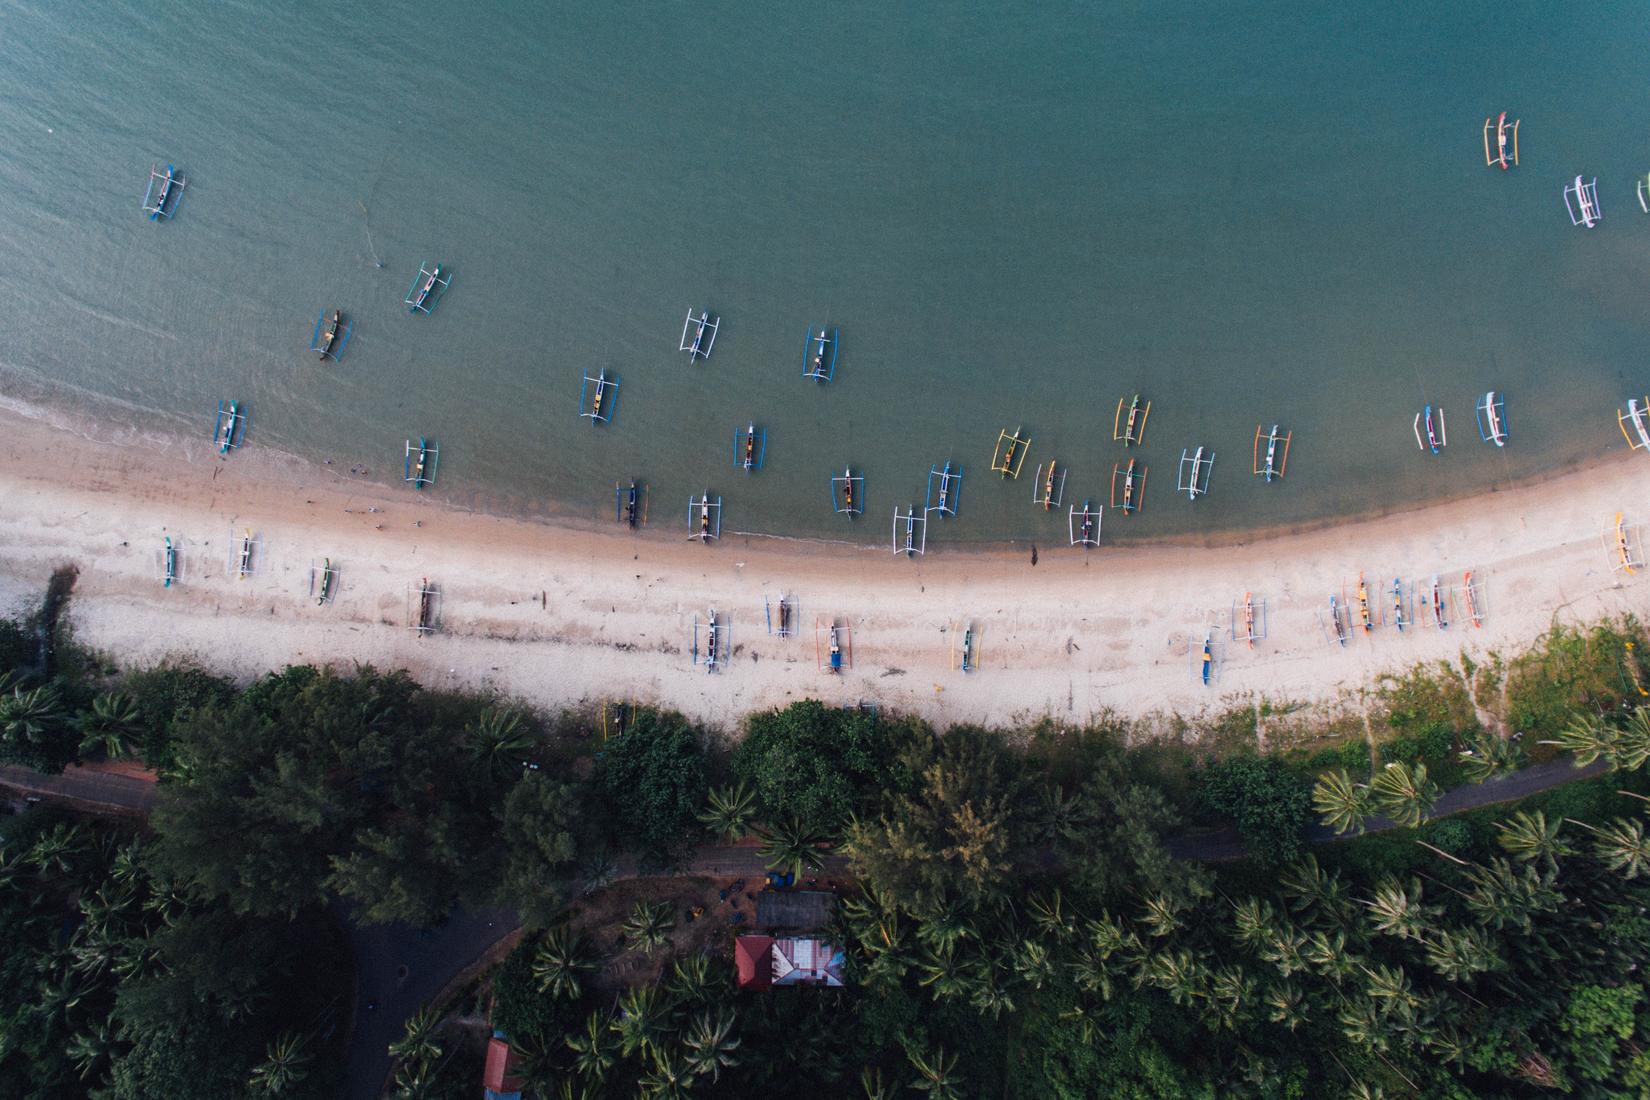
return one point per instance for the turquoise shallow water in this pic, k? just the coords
(1014, 215)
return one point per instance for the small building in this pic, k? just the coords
(767, 961)
(498, 1078)
(794, 910)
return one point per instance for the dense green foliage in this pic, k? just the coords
(815, 764)
(1270, 803)
(651, 779)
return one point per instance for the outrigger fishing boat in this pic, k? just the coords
(1619, 541)
(1193, 476)
(1638, 415)
(326, 575)
(1133, 430)
(427, 288)
(630, 504)
(969, 656)
(1277, 452)
(164, 193)
(1435, 600)
(836, 650)
(603, 395)
(1436, 434)
(1083, 525)
(331, 335)
(833, 646)
(1399, 608)
(1132, 483)
(1364, 618)
(1505, 154)
(819, 354)
(243, 556)
(1208, 657)
(1644, 194)
(750, 447)
(944, 490)
(1050, 486)
(422, 602)
(713, 644)
(910, 531)
(1337, 621)
(1491, 411)
(1471, 591)
(708, 525)
(787, 615)
(419, 471)
(848, 493)
(230, 427)
(1009, 454)
(704, 329)
(1251, 616)
(169, 564)
(1581, 200)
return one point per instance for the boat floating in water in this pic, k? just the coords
(1276, 458)
(630, 505)
(944, 490)
(1195, 469)
(704, 518)
(750, 447)
(164, 193)
(419, 463)
(427, 288)
(1491, 411)
(1502, 152)
(331, 335)
(1009, 455)
(1434, 428)
(1050, 486)
(1083, 525)
(229, 430)
(1643, 188)
(1133, 430)
(703, 329)
(910, 531)
(819, 354)
(848, 493)
(1636, 416)
(1128, 486)
(1581, 200)
(599, 397)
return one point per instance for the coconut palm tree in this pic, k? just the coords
(54, 853)
(1460, 955)
(557, 962)
(668, 1078)
(792, 847)
(33, 716)
(285, 1065)
(90, 1051)
(1051, 917)
(1621, 845)
(871, 1083)
(649, 925)
(1033, 964)
(1504, 897)
(1529, 837)
(499, 741)
(1285, 1005)
(596, 870)
(1396, 909)
(419, 1043)
(413, 1081)
(1343, 804)
(692, 981)
(729, 812)
(642, 1021)
(1404, 792)
(936, 1073)
(945, 975)
(1587, 738)
(1633, 742)
(710, 1043)
(110, 727)
(1488, 756)
(946, 927)
(594, 1049)
(534, 1068)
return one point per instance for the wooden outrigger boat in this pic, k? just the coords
(243, 556)
(1399, 607)
(910, 531)
(1364, 618)
(1638, 415)
(715, 643)
(1277, 452)
(704, 328)
(1337, 621)
(1251, 616)
(1491, 411)
(1050, 487)
(427, 288)
(848, 493)
(419, 471)
(833, 646)
(1435, 602)
(787, 615)
(331, 335)
(1437, 437)
(1208, 657)
(327, 577)
(1193, 476)
(164, 193)
(603, 393)
(1083, 525)
(630, 504)
(1505, 148)
(970, 655)
(1133, 430)
(1132, 483)
(709, 524)
(169, 564)
(944, 493)
(750, 447)
(423, 601)
(1470, 591)
(1619, 542)
(230, 427)
(1581, 200)
(1009, 454)
(819, 354)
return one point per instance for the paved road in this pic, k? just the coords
(102, 791)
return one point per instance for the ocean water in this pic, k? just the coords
(1015, 214)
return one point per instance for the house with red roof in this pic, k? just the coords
(767, 961)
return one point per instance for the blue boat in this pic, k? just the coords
(229, 430)
(420, 463)
(750, 447)
(331, 335)
(427, 288)
(164, 192)
(819, 354)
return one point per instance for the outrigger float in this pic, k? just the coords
(630, 504)
(323, 581)
(944, 490)
(910, 531)
(1248, 620)
(427, 288)
(1472, 594)
(1083, 525)
(1203, 659)
(599, 397)
(168, 564)
(1437, 436)
(1637, 414)
(1503, 154)
(716, 641)
(164, 193)
(1400, 605)
(1581, 200)
(1128, 486)
(703, 329)
(1621, 543)
(819, 354)
(229, 430)
(1195, 468)
(750, 447)
(419, 463)
(1365, 618)
(1277, 452)
(421, 607)
(331, 335)
(1339, 630)
(242, 548)
(1010, 453)
(1050, 486)
(1491, 411)
(833, 646)
(1644, 194)
(1435, 603)
(1132, 431)
(969, 657)
(704, 517)
(787, 615)
(848, 493)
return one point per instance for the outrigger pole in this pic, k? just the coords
(1277, 452)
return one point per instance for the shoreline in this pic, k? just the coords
(565, 614)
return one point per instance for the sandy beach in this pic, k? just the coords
(563, 617)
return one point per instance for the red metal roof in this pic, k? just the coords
(500, 1073)
(753, 955)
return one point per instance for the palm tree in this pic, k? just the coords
(1488, 756)
(872, 1084)
(1529, 837)
(1033, 964)
(594, 1049)
(710, 1043)
(691, 980)
(32, 717)
(642, 1020)
(285, 1065)
(1285, 1005)
(534, 1068)
(419, 1043)
(558, 961)
(89, 1051)
(1050, 916)
(413, 1081)
(1587, 738)
(1342, 803)
(1502, 897)
(945, 928)
(1459, 956)
(668, 1079)
(934, 1074)
(1621, 845)
(649, 925)
(110, 727)
(792, 847)
(729, 812)
(54, 853)
(499, 741)
(1162, 915)
(1397, 909)
(596, 870)
(1404, 793)
(945, 975)
(1633, 743)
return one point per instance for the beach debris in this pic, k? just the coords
(1503, 153)
(819, 354)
